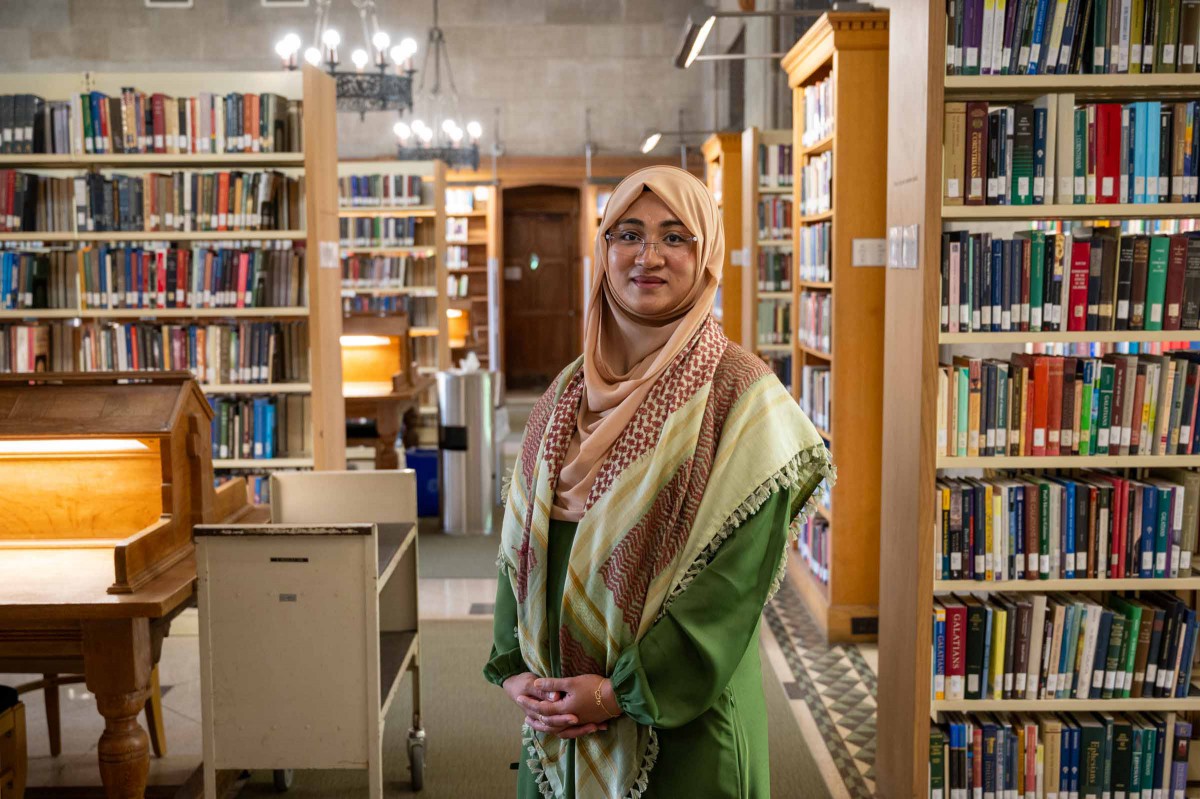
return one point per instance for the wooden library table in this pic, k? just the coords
(386, 406)
(55, 609)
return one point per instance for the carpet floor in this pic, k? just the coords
(472, 732)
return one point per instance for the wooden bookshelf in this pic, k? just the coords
(432, 300)
(483, 309)
(723, 173)
(752, 192)
(851, 49)
(913, 348)
(317, 164)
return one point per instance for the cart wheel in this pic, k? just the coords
(416, 762)
(283, 779)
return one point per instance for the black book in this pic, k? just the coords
(1125, 283)
(1191, 285)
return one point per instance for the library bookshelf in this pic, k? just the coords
(481, 300)
(914, 346)
(755, 144)
(723, 173)
(849, 49)
(316, 164)
(424, 295)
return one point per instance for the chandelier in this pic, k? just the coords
(379, 82)
(444, 140)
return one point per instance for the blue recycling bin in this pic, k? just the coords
(425, 463)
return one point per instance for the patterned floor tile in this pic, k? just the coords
(837, 686)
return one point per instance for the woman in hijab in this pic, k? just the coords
(660, 482)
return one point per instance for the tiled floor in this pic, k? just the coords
(832, 691)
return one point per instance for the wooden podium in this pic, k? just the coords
(105, 475)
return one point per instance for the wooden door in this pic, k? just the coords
(541, 284)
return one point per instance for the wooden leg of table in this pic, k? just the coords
(117, 665)
(53, 714)
(154, 716)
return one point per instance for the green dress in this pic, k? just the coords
(696, 674)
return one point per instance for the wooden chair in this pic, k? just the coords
(13, 758)
(50, 684)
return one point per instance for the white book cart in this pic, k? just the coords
(307, 625)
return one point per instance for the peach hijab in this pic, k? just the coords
(624, 352)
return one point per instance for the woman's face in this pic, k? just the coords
(659, 277)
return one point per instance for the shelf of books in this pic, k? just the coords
(1046, 495)
(394, 257)
(767, 225)
(176, 221)
(473, 229)
(838, 75)
(723, 173)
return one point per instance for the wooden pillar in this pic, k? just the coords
(910, 388)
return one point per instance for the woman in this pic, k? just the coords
(647, 524)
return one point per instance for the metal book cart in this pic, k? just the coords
(307, 625)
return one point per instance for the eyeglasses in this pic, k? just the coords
(630, 244)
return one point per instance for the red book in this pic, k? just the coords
(1040, 407)
(181, 278)
(5, 176)
(243, 270)
(1054, 406)
(1119, 512)
(1190, 414)
(160, 288)
(1077, 298)
(956, 649)
(977, 750)
(1108, 152)
(1139, 399)
(1176, 260)
(159, 134)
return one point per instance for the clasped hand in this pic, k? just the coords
(563, 706)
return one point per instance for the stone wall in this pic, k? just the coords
(541, 62)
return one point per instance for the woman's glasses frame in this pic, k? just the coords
(635, 246)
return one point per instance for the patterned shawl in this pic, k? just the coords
(714, 439)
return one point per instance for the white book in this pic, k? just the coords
(1090, 623)
(985, 41)
(1122, 46)
(1065, 149)
(1036, 635)
(998, 56)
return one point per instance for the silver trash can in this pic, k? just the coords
(465, 438)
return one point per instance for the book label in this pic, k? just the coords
(952, 188)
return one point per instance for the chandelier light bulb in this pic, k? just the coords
(313, 56)
(474, 129)
(409, 46)
(418, 125)
(402, 131)
(381, 40)
(331, 38)
(397, 55)
(293, 43)
(426, 135)
(360, 58)
(281, 49)
(449, 125)
(456, 135)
